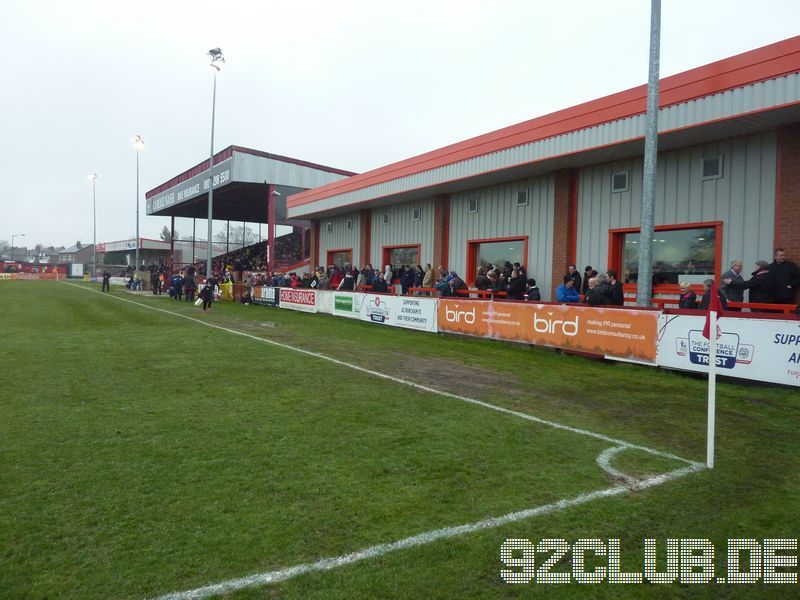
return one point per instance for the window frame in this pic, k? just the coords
(720, 160)
(416, 213)
(387, 250)
(627, 188)
(472, 254)
(477, 201)
(527, 192)
(616, 238)
(335, 251)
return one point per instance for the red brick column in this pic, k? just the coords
(441, 231)
(787, 193)
(314, 262)
(787, 197)
(365, 234)
(564, 225)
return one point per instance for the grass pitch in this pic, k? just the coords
(144, 454)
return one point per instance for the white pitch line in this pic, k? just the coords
(521, 415)
(326, 564)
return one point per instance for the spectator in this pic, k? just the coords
(428, 280)
(688, 299)
(616, 295)
(566, 292)
(521, 269)
(706, 299)
(572, 273)
(388, 275)
(532, 293)
(106, 281)
(419, 276)
(347, 283)
(516, 286)
(456, 283)
(786, 277)
(733, 293)
(379, 286)
(600, 294)
(591, 283)
(761, 284)
(587, 274)
(406, 279)
(481, 280)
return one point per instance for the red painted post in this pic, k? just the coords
(271, 228)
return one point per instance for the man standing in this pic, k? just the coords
(106, 281)
(735, 291)
(566, 292)
(616, 293)
(572, 273)
(786, 277)
(177, 286)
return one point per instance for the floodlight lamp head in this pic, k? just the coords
(92, 177)
(137, 141)
(217, 60)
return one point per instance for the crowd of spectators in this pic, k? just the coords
(775, 282)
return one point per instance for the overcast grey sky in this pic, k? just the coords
(350, 84)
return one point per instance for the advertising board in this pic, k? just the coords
(616, 333)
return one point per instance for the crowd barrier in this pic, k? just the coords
(761, 349)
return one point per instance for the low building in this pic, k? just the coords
(566, 187)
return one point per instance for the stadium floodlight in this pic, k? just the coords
(15, 235)
(93, 178)
(217, 62)
(138, 143)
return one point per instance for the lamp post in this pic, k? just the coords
(138, 143)
(217, 62)
(93, 178)
(15, 235)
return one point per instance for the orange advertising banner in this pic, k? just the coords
(621, 333)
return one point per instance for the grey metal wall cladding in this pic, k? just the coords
(743, 198)
(257, 169)
(765, 94)
(403, 229)
(341, 236)
(499, 216)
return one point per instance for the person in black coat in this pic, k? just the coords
(532, 293)
(572, 273)
(106, 282)
(761, 284)
(616, 295)
(407, 280)
(379, 286)
(688, 299)
(516, 286)
(600, 294)
(786, 278)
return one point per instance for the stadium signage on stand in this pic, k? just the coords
(615, 333)
(304, 300)
(266, 296)
(758, 349)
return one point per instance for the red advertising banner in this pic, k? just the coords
(621, 333)
(305, 300)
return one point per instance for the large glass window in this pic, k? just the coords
(678, 255)
(498, 253)
(397, 257)
(340, 258)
